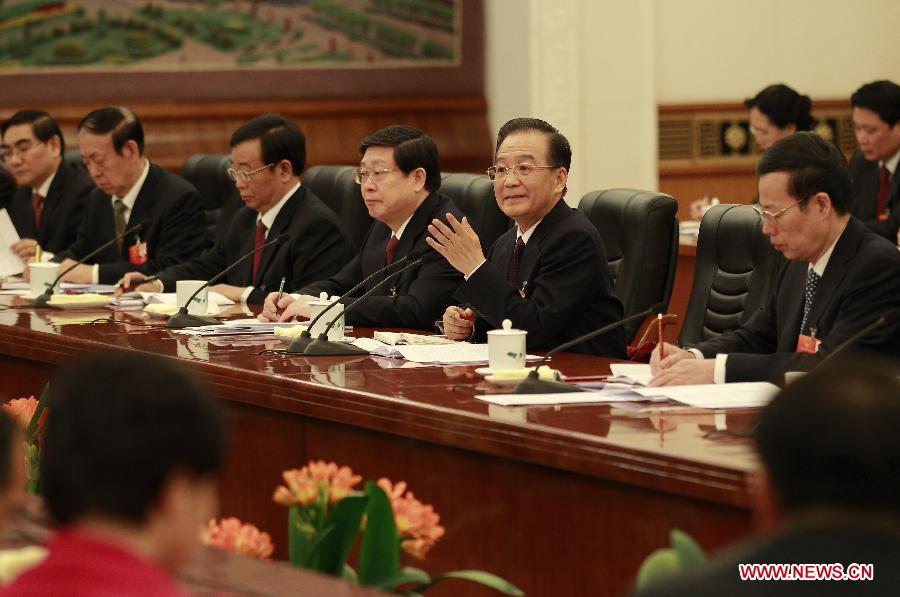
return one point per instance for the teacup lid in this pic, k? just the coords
(323, 300)
(507, 330)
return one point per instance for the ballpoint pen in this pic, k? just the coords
(139, 282)
(280, 294)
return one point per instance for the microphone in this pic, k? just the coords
(44, 297)
(299, 344)
(885, 319)
(183, 319)
(322, 346)
(534, 385)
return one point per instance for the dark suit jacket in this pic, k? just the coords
(866, 175)
(7, 188)
(417, 297)
(807, 544)
(861, 282)
(63, 207)
(317, 248)
(568, 289)
(175, 231)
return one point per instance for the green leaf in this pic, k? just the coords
(349, 574)
(690, 554)
(31, 430)
(300, 544)
(658, 565)
(484, 578)
(380, 549)
(406, 575)
(341, 529)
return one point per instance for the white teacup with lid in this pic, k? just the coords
(506, 347)
(336, 333)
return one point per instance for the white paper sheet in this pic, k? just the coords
(169, 298)
(10, 263)
(727, 395)
(560, 398)
(637, 372)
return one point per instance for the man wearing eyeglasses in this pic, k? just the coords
(130, 190)
(840, 277)
(268, 155)
(400, 179)
(47, 207)
(549, 274)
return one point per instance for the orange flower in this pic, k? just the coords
(417, 523)
(232, 535)
(304, 486)
(22, 409)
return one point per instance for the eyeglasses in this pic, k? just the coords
(520, 170)
(19, 149)
(244, 175)
(773, 217)
(360, 175)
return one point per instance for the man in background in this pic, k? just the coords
(268, 154)
(130, 190)
(400, 178)
(873, 168)
(549, 274)
(47, 207)
(132, 447)
(827, 493)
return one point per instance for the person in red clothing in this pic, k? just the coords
(132, 448)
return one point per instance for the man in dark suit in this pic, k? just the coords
(46, 209)
(400, 179)
(549, 274)
(873, 168)
(827, 492)
(268, 154)
(840, 276)
(7, 187)
(130, 190)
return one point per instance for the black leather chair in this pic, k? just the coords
(735, 273)
(221, 199)
(335, 186)
(474, 195)
(640, 234)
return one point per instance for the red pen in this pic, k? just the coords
(662, 341)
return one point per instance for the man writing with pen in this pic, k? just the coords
(549, 273)
(268, 154)
(400, 181)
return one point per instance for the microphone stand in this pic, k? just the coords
(299, 344)
(183, 319)
(322, 346)
(533, 384)
(42, 299)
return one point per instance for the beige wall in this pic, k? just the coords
(726, 50)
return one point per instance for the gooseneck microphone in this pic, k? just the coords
(299, 344)
(183, 319)
(44, 297)
(534, 385)
(323, 346)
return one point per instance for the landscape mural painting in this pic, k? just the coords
(141, 35)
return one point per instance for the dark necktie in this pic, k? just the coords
(884, 187)
(260, 241)
(809, 294)
(512, 272)
(389, 250)
(119, 213)
(37, 202)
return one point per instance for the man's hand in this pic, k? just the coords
(458, 243)
(686, 372)
(289, 308)
(228, 291)
(458, 323)
(82, 274)
(673, 355)
(133, 281)
(24, 248)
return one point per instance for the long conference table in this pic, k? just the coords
(560, 500)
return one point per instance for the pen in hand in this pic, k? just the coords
(136, 283)
(280, 294)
